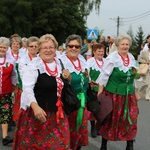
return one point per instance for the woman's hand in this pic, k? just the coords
(66, 74)
(93, 84)
(100, 89)
(39, 113)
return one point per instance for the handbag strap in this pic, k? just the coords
(62, 65)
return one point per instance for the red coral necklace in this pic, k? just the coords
(52, 73)
(15, 56)
(99, 65)
(125, 60)
(76, 67)
(30, 57)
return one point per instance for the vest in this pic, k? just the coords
(46, 92)
(6, 79)
(119, 82)
(94, 74)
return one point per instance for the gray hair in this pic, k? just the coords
(122, 37)
(24, 39)
(4, 40)
(16, 39)
(74, 37)
(32, 39)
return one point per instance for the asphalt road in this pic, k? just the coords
(142, 141)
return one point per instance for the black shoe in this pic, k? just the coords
(78, 148)
(129, 145)
(93, 133)
(7, 140)
(98, 134)
(129, 148)
(13, 123)
(9, 128)
(103, 147)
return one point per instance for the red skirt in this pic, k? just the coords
(90, 116)
(79, 138)
(16, 107)
(118, 128)
(31, 134)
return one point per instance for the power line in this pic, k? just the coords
(137, 15)
(137, 18)
(135, 21)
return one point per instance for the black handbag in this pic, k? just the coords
(92, 101)
(69, 97)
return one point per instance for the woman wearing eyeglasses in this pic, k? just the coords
(32, 46)
(76, 64)
(8, 80)
(43, 124)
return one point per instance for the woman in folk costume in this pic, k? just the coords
(14, 50)
(8, 79)
(43, 124)
(117, 81)
(144, 89)
(95, 65)
(32, 45)
(76, 64)
(15, 54)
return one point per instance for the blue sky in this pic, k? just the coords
(132, 13)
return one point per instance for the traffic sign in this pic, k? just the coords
(92, 34)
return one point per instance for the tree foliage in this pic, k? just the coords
(132, 48)
(137, 40)
(37, 17)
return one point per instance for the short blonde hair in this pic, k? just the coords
(46, 38)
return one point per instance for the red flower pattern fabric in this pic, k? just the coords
(31, 134)
(16, 106)
(118, 128)
(79, 138)
(5, 108)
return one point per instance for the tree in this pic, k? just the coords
(132, 48)
(139, 39)
(15, 16)
(37, 17)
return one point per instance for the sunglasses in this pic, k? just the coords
(76, 46)
(32, 46)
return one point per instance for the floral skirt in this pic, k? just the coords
(5, 108)
(16, 107)
(118, 128)
(31, 134)
(80, 137)
(90, 116)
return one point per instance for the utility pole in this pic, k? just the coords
(118, 24)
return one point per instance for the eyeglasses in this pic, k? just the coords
(33, 46)
(76, 46)
(2, 47)
(49, 48)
